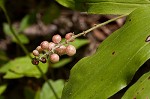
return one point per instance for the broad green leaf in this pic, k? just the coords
(6, 29)
(4, 69)
(21, 67)
(28, 93)
(46, 92)
(37, 94)
(2, 97)
(12, 75)
(105, 6)
(51, 13)
(117, 59)
(23, 38)
(2, 3)
(61, 63)
(140, 90)
(2, 88)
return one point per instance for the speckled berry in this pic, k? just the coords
(35, 53)
(68, 36)
(70, 50)
(61, 50)
(51, 45)
(44, 45)
(39, 49)
(54, 58)
(56, 38)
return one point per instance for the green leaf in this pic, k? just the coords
(140, 90)
(51, 13)
(2, 88)
(46, 92)
(12, 75)
(8, 32)
(117, 59)
(21, 67)
(2, 97)
(105, 6)
(28, 93)
(4, 68)
(2, 3)
(61, 63)
(37, 94)
(3, 58)
(23, 38)
(27, 21)
(6, 29)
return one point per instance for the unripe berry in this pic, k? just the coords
(70, 50)
(35, 53)
(39, 49)
(61, 50)
(54, 58)
(51, 45)
(68, 36)
(43, 60)
(56, 38)
(44, 45)
(35, 61)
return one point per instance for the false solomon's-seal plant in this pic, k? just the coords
(117, 59)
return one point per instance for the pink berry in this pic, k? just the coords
(68, 36)
(39, 49)
(61, 50)
(70, 50)
(44, 45)
(54, 58)
(51, 45)
(35, 53)
(56, 38)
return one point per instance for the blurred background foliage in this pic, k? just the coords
(35, 21)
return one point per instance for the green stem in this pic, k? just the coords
(97, 26)
(14, 34)
(27, 52)
(48, 82)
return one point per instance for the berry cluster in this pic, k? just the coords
(54, 49)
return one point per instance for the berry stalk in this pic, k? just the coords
(97, 26)
(58, 48)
